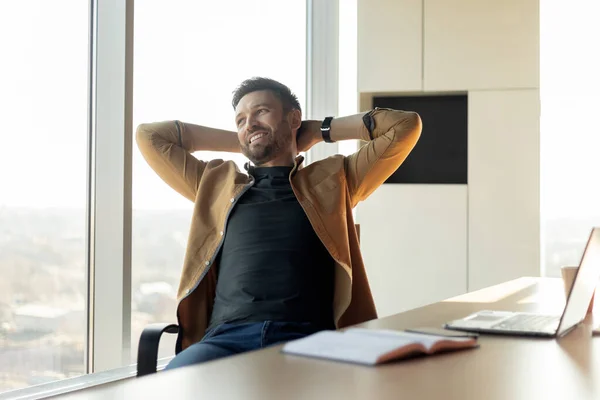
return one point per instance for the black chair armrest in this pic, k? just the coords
(148, 347)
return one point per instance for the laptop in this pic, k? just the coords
(533, 324)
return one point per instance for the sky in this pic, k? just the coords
(189, 57)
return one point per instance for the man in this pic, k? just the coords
(273, 254)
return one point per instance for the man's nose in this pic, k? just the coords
(251, 125)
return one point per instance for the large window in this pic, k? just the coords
(65, 303)
(570, 136)
(189, 57)
(43, 103)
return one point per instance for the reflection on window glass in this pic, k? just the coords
(187, 70)
(43, 103)
(570, 137)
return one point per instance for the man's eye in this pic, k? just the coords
(241, 121)
(262, 110)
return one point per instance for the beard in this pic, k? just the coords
(273, 144)
(261, 153)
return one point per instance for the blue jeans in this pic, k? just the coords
(229, 339)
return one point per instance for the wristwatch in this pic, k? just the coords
(326, 129)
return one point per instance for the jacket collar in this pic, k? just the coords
(297, 165)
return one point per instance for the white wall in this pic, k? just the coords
(489, 50)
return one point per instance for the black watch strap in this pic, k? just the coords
(326, 129)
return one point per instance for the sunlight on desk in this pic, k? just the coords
(496, 293)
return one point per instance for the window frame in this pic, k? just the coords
(109, 185)
(322, 68)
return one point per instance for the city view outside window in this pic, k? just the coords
(187, 70)
(43, 156)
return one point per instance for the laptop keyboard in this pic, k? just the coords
(524, 322)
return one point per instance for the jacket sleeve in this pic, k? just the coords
(391, 136)
(167, 149)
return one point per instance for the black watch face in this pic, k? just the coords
(369, 123)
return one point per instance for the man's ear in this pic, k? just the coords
(295, 119)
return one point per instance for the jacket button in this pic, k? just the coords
(221, 233)
(232, 199)
(207, 263)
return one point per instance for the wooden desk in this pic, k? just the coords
(502, 368)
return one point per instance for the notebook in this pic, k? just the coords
(373, 347)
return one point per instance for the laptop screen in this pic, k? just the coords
(586, 281)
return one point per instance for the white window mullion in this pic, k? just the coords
(109, 332)
(322, 68)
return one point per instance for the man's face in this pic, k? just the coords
(263, 130)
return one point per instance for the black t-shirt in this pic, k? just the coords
(272, 265)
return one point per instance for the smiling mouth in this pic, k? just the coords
(256, 137)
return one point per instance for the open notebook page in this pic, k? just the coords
(386, 334)
(356, 345)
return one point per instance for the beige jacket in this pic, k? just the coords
(327, 190)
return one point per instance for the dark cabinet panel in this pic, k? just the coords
(440, 156)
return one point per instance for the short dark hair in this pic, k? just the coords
(288, 99)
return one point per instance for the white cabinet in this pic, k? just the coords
(504, 186)
(424, 243)
(480, 44)
(389, 45)
(414, 244)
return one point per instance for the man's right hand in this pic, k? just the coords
(308, 135)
